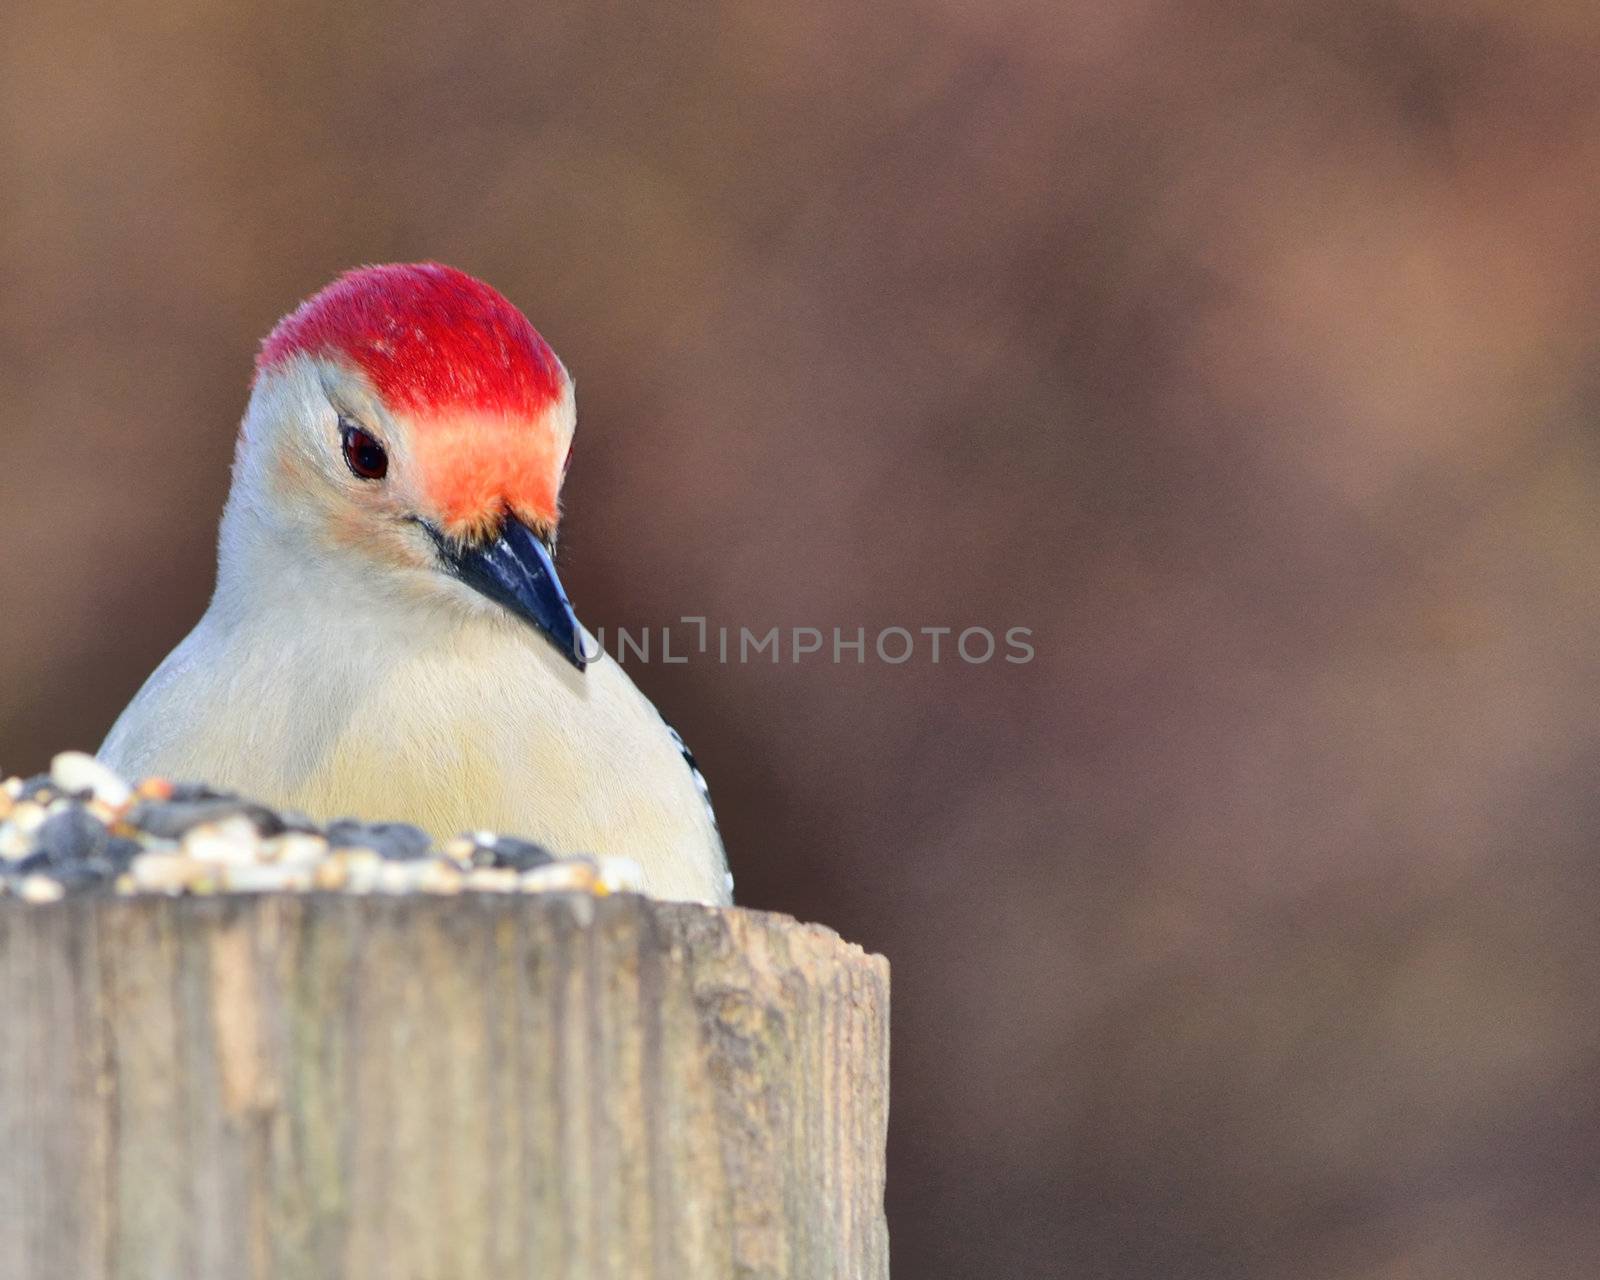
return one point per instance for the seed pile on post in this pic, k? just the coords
(82, 828)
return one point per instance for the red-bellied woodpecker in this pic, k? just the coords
(388, 637)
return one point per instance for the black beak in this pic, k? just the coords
(514, 569)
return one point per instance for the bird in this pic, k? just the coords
(388, 636)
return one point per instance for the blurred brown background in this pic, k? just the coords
(1246, 352)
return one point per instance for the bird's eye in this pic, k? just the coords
(362, 453)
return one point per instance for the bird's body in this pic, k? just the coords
(477, 726)
(343, 667)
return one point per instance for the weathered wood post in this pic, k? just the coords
(416, 1088)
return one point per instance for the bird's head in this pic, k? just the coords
(409, 422)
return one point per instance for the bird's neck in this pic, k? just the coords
(272, 571)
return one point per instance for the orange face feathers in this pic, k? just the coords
(476, 468)
(484, 395)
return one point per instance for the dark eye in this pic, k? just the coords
(362, 454)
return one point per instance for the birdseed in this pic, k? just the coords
(81, 828)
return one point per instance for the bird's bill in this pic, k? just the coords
(514, 569)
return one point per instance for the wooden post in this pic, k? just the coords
(415, 1088)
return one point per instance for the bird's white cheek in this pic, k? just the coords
(293, 478)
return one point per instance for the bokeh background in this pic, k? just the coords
(1246, 352)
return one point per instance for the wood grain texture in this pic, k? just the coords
(437, 1088)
